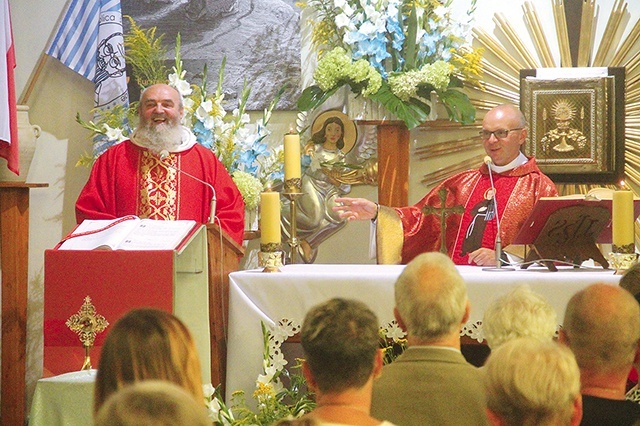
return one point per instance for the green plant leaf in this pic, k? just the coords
(412, 113)
(409, 42)
(458, 106)
(312, 97)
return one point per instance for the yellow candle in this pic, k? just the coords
(622, 218)
(292, 156)
(270, 217)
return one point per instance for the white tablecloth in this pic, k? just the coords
(66, 400)
(255, 296)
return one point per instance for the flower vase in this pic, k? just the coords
(27, 135)
(251, 220)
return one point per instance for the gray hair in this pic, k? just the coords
(531, 382)
(431, 297)
(519, 313)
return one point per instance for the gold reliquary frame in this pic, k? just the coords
(576, 122)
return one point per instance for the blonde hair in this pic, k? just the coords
(147, 344)
(152, 403)
(532, 382)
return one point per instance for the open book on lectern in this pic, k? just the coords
(575, 216)
(128, 233)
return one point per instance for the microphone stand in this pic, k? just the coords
(498, 243)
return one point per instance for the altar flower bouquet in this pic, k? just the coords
(394, 52)
(240, 145)
(274, 400)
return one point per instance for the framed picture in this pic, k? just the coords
(576, 125)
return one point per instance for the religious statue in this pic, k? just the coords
(564, 140)
(332, 167)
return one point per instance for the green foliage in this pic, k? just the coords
(145, 55)
(413, 113)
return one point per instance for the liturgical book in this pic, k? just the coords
(128, 233)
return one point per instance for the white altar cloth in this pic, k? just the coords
(255, 296)
(66, 400)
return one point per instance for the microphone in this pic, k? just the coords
(164, 154)
(498, 244)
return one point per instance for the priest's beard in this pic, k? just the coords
(166, 136)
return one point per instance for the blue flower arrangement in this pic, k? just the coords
(395, 52)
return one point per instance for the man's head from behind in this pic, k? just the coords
(340, 342)
(531, 382)
(602, 328)
(431, 298)
(519, 313)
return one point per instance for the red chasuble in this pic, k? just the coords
(517, 192)
(128, 179)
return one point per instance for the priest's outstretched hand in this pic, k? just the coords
(356, 208)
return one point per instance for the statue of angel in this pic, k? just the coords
(335, 159)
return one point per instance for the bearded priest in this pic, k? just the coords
(162, 173)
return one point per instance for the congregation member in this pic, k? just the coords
(162, 173)
(431, 383)
(342, 359)
(602, 328)
(519, 313)
(152, 403)
(470, 233)
(531, 382)
(148, 344)
(630, 281)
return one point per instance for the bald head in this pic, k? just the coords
(431, 297)
(508, 112)
(602, 327)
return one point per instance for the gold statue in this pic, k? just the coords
(563, 140)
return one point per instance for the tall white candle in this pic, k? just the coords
(292, 169)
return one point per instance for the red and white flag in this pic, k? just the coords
(8, 110)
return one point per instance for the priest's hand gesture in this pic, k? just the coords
(356, 208)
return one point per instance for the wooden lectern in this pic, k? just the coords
(224, 258)
(120, 280)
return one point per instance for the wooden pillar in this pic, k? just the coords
(393, 163)
(14, 260)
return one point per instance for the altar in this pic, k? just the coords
(255, 296)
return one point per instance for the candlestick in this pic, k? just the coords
(623, 221)
(292, 168)
(294, 243)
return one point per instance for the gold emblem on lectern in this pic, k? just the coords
(87, 324)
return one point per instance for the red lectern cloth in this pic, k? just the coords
(116, 282)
